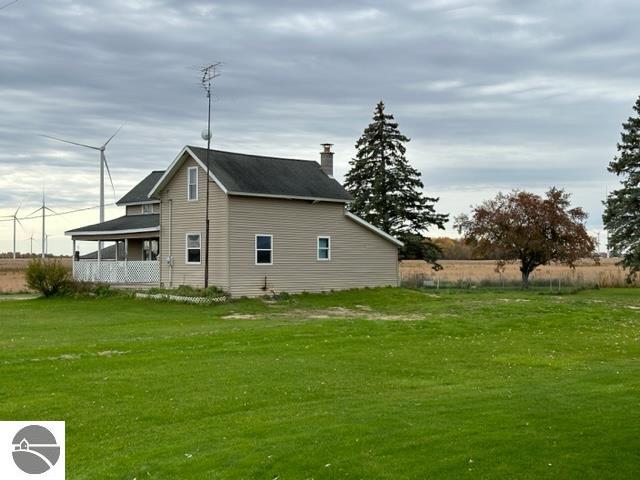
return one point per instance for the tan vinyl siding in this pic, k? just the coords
(359, 257)
(178, 217)
(134, 209)
(137, 209)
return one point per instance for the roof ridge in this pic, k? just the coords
(255, 155)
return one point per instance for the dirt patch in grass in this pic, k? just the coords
(361, 311)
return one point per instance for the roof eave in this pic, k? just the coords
(91, 233)
(124, 204)
(374, 229)
(289, 197)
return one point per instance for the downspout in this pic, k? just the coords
(228, 245)
(170, 238)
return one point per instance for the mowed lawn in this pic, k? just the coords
(372, 384)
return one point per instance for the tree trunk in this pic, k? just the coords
(525, 278)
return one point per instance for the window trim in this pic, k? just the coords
(186, 248)
(256, 250)
(189, 184)
(328, 249)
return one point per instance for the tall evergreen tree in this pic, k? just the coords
(387, 190)
(622, 207)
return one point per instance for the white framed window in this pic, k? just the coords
(147, 208)
(192, 183)
(324, 248)
(192, 254)
(264, 249)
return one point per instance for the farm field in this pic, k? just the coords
(482, 272)
(377, 383)
(12, 273)
(474, 272)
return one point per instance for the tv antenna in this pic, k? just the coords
(209, 73)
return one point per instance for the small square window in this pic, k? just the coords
(264, 249)
(147, 208)
(324, 248)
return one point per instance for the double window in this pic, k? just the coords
(193, 248)
(192, 183)
(264, 249)
(324, 248)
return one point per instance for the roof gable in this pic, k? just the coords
(254, 175)
(140, 193)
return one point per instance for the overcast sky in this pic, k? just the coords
(495, 95)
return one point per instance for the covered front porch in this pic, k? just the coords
(120, 251)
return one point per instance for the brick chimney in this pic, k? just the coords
(326, 159)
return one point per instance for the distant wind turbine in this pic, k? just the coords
(16, 219)
(103, 165)
(31, 238)
(44, 209)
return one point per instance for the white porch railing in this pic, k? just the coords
(110, 271)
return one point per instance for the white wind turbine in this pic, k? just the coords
(103, 165)
(16, 219)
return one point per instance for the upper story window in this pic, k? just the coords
(193, 248)
(147, 208)
(192, 183)
(324, 248)
(264, 249)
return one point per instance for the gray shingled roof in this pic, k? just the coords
(108, 253)
(128, 222)
(258, 175)
(140, 193)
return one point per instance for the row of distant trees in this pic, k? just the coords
(519, 226)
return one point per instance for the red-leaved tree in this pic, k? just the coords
(534, 230)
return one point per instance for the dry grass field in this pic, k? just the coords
(12, 278)
(467, 272)
(482, 272)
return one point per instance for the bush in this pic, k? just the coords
(48, 277)
(189, 291)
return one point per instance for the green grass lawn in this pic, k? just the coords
(373, 384)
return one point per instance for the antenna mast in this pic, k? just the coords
(209, 72)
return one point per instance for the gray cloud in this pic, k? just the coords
(495, 94)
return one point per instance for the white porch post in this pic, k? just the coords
(73, 260)
(99, 261)
(126, 257)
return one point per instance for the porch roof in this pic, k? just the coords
(126, 225)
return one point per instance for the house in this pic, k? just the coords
(276, 224)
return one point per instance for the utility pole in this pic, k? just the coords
(208, 73)
(43, 229)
